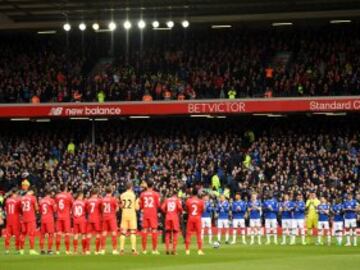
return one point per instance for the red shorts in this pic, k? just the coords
(109, 225)
(13, 229)
(79, 227)
(93, 227)
(63, 226)
(150, 223)
(194, 225)
(47, 227)
(28, 228)
(172, 225)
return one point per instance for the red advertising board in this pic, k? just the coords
(197, 107)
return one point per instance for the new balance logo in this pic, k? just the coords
(56, 111)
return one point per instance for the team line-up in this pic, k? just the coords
(96, 217)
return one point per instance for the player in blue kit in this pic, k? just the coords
(286, 208)
(254, 209)
(270, 209)
(238, 210)
(299, 220)
(222, 210)
(350, 206)
(338, 220)
(206, 218)
(323, 211)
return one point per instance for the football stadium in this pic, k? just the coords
(173, 134)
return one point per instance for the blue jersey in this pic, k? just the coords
(254, 213)
(349, 208)
(270, 208)
(208, 210)
(223, 210)
(299, 210)
(287, 209)
(338, 215)
(323, 209)
(238, 209)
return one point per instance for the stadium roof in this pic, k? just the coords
(47, 13)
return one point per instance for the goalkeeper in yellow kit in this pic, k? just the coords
(129, 205)
(312, 217)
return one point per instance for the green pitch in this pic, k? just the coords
(230, 257)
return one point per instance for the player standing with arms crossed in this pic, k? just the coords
(129, 205)
(13, 228)
(206, 218)
(149, 204)
(195, 208)
(172, 208)
(47, 210)
(109, 207)
(93, 226)
(79, 222)
(64, 201)
(239, 208)
(29, 206)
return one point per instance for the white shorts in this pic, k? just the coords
(271, 223)
(286, 223)
(298, 223)
(338, 226)
(223, 223)
(255, 223)
(350, 223)
(206, 222)
(238, 223)
(323, 225)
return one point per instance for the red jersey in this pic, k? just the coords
(28, 207)
(47, 209)
(64, 202)
(149, 203)
(172, 208)
(79, 211)
(12, 210)
(109, 206)
(93, 209)
(195, 207)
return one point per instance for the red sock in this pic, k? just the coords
(88, 240)
(75, 244)
(154, 236)
(22, 241)
(97, 243)
(167, 240)
(187, 240)
(50, 241)
(199, 241)
(32, 241)
(7, 242)
(17, 242)
(67, 242)
(114, 242)
(58, 241)
(42, 240)
(175, 240)
(144, 240)
(83, 243)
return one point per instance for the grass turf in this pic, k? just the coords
(226, 257)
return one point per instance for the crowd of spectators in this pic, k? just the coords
(218, 156)
(201, 64)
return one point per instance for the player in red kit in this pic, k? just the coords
(109, 207)
(79, 222)
(28, 208)
(47, 211)
(12, 210)
(93, 226)
(195, 208)
(172, 208)
(149, 204)
(64, 201)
